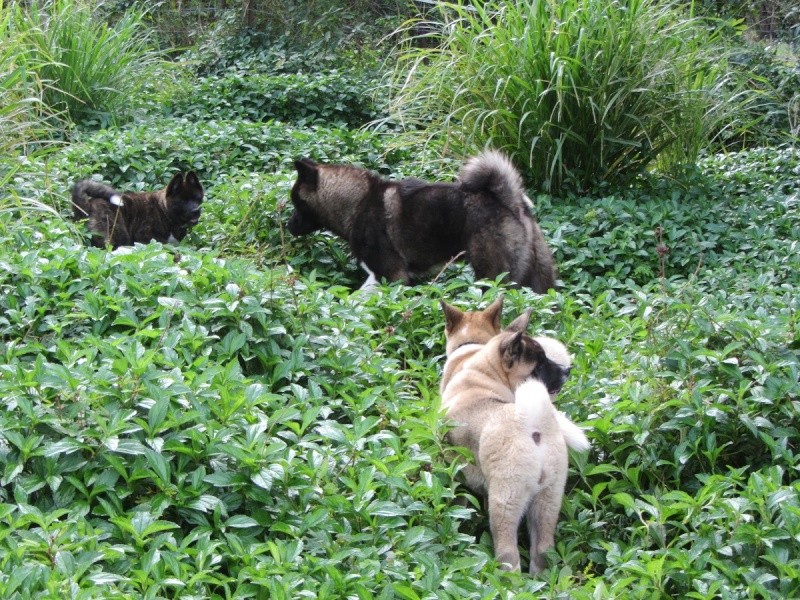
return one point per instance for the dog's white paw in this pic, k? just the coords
(372, 282)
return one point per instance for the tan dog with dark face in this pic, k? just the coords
(496, 388)
(467, 332)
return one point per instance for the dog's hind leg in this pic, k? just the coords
(506, 509)
(490, 256)
(474, 479)
(511, 464)
(117, 233)
(541, 522)
(542, 273)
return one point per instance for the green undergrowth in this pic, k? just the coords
(342, 97)
(189, 422)
(231, 418)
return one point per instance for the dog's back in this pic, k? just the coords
(433, 222)
(427, 222)
(485, 213)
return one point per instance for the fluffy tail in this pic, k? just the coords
(493, 172)
(86, 189)
(532, 404)
(534, 409)
(573, 434)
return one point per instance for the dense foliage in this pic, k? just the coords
(769, 19)
(334, 97)
(777, 77)
(229, 419)
(576, 91)
(89, 70)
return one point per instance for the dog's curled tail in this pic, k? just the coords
(85, 189)
(532, 405)
(493, 172)
(573, 434)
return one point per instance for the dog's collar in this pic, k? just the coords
(463, 349)
(460, 346)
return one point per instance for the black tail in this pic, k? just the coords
(493, 172)
(86, 189)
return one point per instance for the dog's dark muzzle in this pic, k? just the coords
(554, 387)
(553, 376)
(193, 217)
(301, 225)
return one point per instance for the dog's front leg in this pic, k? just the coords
(398, 273)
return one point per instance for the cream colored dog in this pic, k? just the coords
(497, 388)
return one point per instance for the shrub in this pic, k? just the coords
(576, 92)
(777, 77)
(144, 155)
(767, 19)
(334, 97)
(90, 71)
(295, 36)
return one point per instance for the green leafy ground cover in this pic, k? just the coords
(228, 419)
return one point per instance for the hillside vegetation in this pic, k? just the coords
(228, 418)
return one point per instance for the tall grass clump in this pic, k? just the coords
(25, 125)
(20, 92)
(575, 91)
(91, 71)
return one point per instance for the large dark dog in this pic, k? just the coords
(398, 229)
(122, 219)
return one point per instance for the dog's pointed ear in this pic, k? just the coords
(511, 349)
(175, 185)
(307, 171)
(192, 181)
(452, 316)
(494, 311)
(521, 322)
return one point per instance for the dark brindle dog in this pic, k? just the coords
(122, 219)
